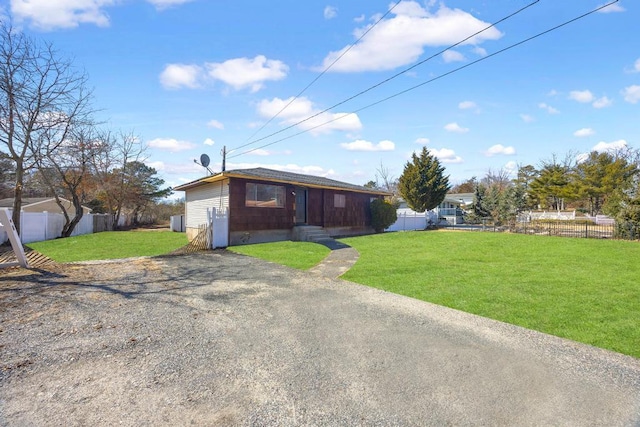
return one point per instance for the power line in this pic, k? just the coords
(385, 80)
(320, 75)
(437, 77)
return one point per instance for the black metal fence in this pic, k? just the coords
(580, 229)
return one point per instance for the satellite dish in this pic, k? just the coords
(204, 160)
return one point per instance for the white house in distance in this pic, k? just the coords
(43, 204)
(449, 212)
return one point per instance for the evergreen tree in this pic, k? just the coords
(423, 184)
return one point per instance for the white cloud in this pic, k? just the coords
(467, 105)
(527, 118)
(636, 66)
(446, 155)
(159, 165)
(456, 128)
(452, 56)
(241, 73)
(290, 167)
(500, 149)
(330, 12)
(548, 108)
(359, 19)
(602, 146)
(215, 124)
(302, 108)
(631, 94)
(362, 145)
(170, 144)
(164, 4)
(602, 102)
(616, 7)
(511, 167)
(582, 96)
(260, 152)
(186, 167)
(422, 141)
(480, 51)
(401, 39)
(53, 14)
(584, 132)
(176, 76)
(209, 141)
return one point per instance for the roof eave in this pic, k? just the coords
(225, 175)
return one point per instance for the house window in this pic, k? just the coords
(339, 200)
(264, 195)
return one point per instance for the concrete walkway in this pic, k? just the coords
(341, 258)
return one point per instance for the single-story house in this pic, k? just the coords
(265, 205)
(44, 204)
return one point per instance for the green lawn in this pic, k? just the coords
(300, 255)
(110, 245)
(583, 289)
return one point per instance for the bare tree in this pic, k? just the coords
(388, 183)
(110, 168)
(67, 168)
(39, 91)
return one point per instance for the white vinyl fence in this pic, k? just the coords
(412, 220)
(39, 226)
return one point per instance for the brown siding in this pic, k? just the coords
(356, 212)
(243, 218)
(320, 209)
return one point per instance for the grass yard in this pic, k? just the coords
(110, 245)
(586, 290)
(299, 255)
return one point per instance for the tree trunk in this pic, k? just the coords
(17, 196)
(71, 225)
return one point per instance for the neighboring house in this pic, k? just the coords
(44, 204)
(264, 205)
(465, 199)
(449, 212)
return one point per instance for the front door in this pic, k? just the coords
(301, 205)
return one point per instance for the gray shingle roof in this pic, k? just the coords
(26, 201)
(281, 176)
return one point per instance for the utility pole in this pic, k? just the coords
(224, 158)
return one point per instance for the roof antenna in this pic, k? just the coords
(204, 162)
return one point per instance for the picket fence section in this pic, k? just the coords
(39, 226)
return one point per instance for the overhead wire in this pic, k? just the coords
(448, 73)
(293, 99)
(404, 71)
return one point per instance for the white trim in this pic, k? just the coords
(6, 224)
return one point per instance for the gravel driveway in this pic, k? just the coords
(215, 338)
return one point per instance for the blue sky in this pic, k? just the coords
(192, 76)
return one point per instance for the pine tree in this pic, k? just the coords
(423, 184)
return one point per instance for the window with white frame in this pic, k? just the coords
(339, 200)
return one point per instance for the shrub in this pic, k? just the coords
(383, 214)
